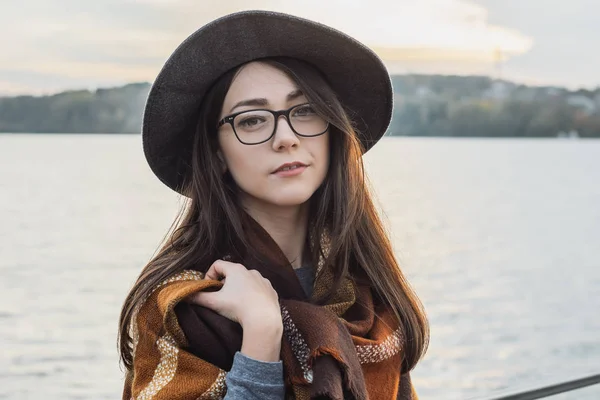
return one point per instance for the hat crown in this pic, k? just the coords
(354, 72)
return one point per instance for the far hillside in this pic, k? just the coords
(425, 105)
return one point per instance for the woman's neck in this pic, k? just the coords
(286, 225)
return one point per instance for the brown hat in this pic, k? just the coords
(355, 73)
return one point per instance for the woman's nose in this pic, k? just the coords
(284, 135)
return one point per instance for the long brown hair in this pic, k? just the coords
(342, 209)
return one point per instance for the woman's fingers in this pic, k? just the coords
(220, 269)
(255, 273)
(216, 271)
(245, 297)
(204, 299)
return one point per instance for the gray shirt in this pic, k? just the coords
(250, 379)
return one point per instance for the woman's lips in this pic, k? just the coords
(290, 172)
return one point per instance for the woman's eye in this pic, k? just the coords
(250, 122)
(304, 111)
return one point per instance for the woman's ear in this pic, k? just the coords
(222, 161)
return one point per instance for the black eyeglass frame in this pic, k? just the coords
(276, 114)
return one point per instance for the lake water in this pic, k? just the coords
(500, 238)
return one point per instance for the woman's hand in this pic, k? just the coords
(246, 297)
(249, 299)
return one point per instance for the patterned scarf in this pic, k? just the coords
(350, 348)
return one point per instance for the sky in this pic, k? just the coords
(47, 46)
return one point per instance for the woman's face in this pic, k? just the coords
(256, 168)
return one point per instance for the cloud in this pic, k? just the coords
(112, 41)
(431, 24)
(399, 24)
(566, 34)
(10, 88)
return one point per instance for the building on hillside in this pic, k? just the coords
(597, 100)
(498, 91)
(584, 103)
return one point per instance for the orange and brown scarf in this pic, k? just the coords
(350, 348)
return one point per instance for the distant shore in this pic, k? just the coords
(424, 105)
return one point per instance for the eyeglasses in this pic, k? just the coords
(258, 126)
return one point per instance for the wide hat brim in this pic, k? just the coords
(354, 71)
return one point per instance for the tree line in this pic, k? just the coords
(424, 105)
(483, 107)
(112, 110)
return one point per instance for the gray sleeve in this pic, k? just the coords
(251, 379)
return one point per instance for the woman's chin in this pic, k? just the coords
(288, 199)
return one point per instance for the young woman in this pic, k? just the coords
(278, 279)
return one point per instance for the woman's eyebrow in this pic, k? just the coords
(262, 102)
(294, 95)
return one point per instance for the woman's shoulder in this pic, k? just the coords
(156, 312)
(164, 285)
(175, 288)
(186, 275)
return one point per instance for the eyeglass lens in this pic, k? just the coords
(258, 125)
